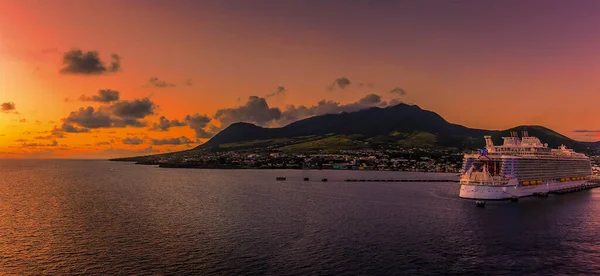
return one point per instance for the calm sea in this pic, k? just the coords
(98, 217)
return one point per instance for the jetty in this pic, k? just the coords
(282, 178)
(590, 185)
(402, 180)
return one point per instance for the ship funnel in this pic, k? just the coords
(488, 142)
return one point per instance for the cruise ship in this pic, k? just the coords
(522, 166)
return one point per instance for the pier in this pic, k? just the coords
(402, 180)
(590, 185)
(382, 180)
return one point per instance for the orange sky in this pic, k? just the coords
(490, 67)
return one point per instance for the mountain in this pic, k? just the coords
(399, 125)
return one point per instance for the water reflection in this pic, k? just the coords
(62, 217)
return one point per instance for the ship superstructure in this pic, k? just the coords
(522, 166)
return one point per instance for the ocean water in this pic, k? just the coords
(98, 217)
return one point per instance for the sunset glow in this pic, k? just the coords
(197, 62)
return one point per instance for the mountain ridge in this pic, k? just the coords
(401, 125)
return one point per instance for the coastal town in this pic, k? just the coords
(410, 159)
(413, 159)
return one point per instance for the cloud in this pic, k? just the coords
(8, 107)
(294, 113)
(280, 89)
(256, 111)
(198, 123)
(104, 143)
(89, 118)
(158, 83)
(587, 130)
(36, 145)
(172, 141)
(341, 83)
(23, 120)
(370, 99)
(188, 82)
(69, 129)
(89, 63)
(132, 141)
(43, 137)
(104, 96)
(398, 91)
(118, 151)
(394, 102)
(137, 109)
(119, 114)
(164, 124)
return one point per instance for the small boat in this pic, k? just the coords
(280, 178)
(306, 179)
(324, 179)
(480, 203)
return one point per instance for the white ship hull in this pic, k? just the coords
(506, 192)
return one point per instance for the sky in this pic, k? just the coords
(100, 79)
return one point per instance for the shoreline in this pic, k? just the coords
(230, 167)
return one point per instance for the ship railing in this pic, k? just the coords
(495, 182)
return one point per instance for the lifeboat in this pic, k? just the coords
(525, 183)
(539, 182)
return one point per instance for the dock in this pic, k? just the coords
(590, 185)
(281, 178)
(402, 180)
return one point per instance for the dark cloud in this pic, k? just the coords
(188, 82)
(136, 109)
(119, 114)
(156, 82)
(69, 129)
(132, 141)
(587, 130)
(125, 122)
(172, 141)
(104, 96)
(104, 143)
(370, 99)
(44, 137)
(294, 113)
(8, 107)
(89, 118)
(89, 63)
(198, 123)
(280, 90)
(398, 91)
(394, 102)
(164, 124)
(256, 111)
(341, 83)
(57, 132)
(36, 145)
(23, 120)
